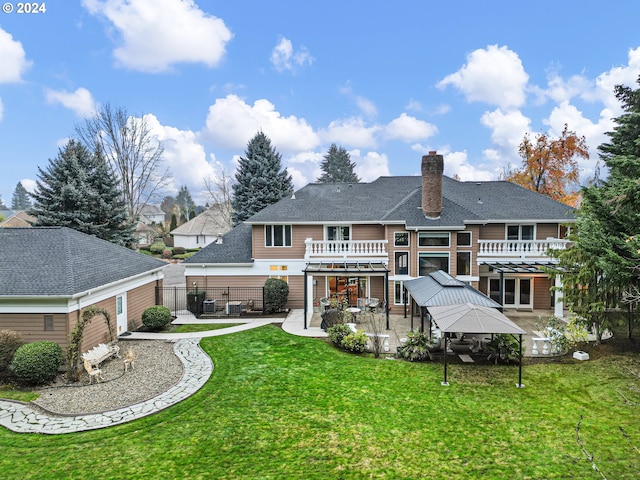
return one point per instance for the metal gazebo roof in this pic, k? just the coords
(469, 318)
(440, 288)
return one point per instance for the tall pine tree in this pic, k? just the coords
(20, 199)
(260, 179)
(337, 167)
(77, 190)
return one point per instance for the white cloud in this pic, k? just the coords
(283, 56)
(494, 75)
(184, 156)
(365, 105)
(409, 129)
(352, 132)
(81, 101)
(159, 33)
(507, 131)
(29, 184)
(231, 123)
(370, 166)
(457, 163)
(12, 58)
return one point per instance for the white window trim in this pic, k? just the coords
(437, 254)
(470, 262)
(519, 225)
(333, 225)
(408, 252)
(408, 239)
(434, 235)
(470, 239)
(283, 236)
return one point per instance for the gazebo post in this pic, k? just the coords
(445, 383)
(305, 299)
(519, 384)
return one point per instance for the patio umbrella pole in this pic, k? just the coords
(445, 383)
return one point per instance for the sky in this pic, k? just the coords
(388, 81)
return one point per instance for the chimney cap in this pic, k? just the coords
(432, 152)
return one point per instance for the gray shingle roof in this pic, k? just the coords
(236, 248)
(59, 261)
(398, 200)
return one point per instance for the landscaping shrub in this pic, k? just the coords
(276, 293)
(417, 348)
(156, 317)
(337, 333)
(157, 248)
(331, 317)
(179, 250)
(195, 299)
(10, 341)
(166, 253)
(36, 363)
(355, 342)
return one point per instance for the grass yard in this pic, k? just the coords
(279, 406)
(197, 327)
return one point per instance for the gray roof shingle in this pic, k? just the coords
(59, 261)
(235, 248)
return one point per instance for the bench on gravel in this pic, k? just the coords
(102, 352)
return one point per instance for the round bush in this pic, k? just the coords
(156, 317)
(10, 341)
(276, 293)
(37, 363)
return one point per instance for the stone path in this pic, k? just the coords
(23, 418)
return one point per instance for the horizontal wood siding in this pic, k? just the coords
(546, 230)
(494, 231)
(296, 292)
(227, 281)
(31, 327)
(366, 232)
(541, 293)
(96, 331)
(299, 233)
(138, 300)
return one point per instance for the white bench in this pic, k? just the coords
(102, 352)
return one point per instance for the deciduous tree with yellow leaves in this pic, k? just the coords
(550, 166)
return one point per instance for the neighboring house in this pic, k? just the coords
(18, 219)
(145, 234)
(151, 214)
(50, 275)
(366, 239)
(202, 230)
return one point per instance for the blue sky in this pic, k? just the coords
(388, 81)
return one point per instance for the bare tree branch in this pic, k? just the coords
(590, 457)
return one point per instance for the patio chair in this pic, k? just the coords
(373, 304)
(93, 372)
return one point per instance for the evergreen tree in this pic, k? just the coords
(337, 167)
(2, 205)
(20, 200)
(260, 179)
(77, 190)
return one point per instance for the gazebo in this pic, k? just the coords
(474, 319)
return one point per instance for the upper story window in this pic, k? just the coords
(401, 239)
(401, 263)
(431, 262)
(277, 235)
(433, 239)
(463, 239)
(520, 232)
(339, 232)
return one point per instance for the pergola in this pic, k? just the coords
(475, 319)
(330, 268)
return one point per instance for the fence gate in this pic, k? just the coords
(212, 301)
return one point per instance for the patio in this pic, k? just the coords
(399, 327)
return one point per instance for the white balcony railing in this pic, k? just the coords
(519, 248)
(345, 248)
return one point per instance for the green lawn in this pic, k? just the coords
(279, 406)
(198, 327)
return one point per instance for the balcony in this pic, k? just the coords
(519, 249)
(346, 249)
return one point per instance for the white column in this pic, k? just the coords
(558, 309)
(309, 287)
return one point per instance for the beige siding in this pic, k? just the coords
(138, 300)
(31, 327)
(541, 293)
(366, 232)
(546, 230)
(298, 235)
(97, 331)
(494, 231)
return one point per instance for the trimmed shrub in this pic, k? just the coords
(156, 317)
(179, 250)
(355, 342)
(338, 332)
(276, 293)
(10, 341)
(37, 363)
(157, 248)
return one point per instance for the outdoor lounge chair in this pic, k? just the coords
(373, 304)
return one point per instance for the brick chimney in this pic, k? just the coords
(432, 168)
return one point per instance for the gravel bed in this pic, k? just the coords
(157, 369)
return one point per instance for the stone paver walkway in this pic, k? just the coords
(22, 418)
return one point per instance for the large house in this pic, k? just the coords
(203, 229)
(365, 240)
(50, 275)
